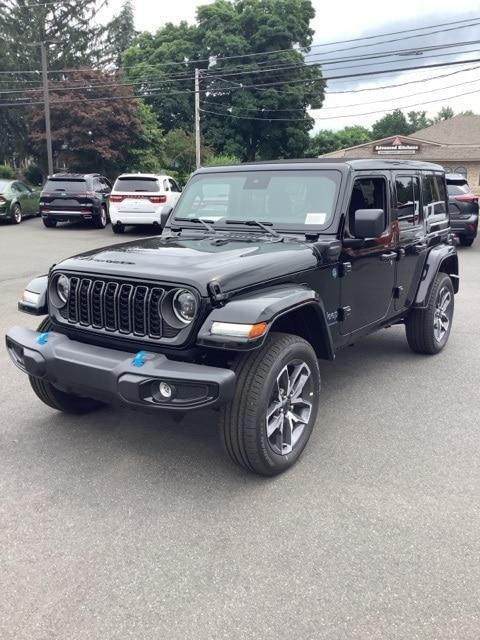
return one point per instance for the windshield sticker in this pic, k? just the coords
(315, 218)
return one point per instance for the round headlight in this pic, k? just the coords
(63, 289)
(184, 306)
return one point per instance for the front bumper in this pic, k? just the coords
(118, 377)
(465, 227)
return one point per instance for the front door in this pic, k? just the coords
(368, 279)
(408, 219)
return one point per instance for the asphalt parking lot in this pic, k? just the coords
(120, 525)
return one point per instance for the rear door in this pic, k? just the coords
(407, 216)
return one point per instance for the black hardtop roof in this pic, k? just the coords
(329, 163)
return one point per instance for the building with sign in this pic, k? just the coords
(453, 143)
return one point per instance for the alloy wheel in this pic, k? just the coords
(290, 407)
(17, 214)
(442, 314)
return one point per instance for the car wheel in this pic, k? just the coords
(428, 329)
(16, 214)
(465, 241)
(57, 399)
(49, 223)
(268, 423)
(118, 228)
(100, 222)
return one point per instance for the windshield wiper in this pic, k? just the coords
(255, 223)
(206, 223)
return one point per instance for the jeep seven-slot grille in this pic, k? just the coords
(125, 308)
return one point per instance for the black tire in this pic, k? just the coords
(100, 221)
(118, 228)
(50, 224)
(57, 399)
(16, 214)
(420, 325)
(243, 421)
(465, 241)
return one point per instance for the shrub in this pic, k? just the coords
(34, 174)
(6, 171)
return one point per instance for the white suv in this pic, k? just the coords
(138, 198)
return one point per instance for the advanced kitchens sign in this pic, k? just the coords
(396, 147)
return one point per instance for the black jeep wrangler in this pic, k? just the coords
(261, 270)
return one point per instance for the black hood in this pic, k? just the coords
(196, 261)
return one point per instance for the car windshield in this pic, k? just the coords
(72, 185)
(4, 184)
(136, 184)
(303, 197)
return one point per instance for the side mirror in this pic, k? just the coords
(164, 216)
(369, 223)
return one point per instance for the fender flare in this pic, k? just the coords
(35, 304)
(442, 258)
(272, 305)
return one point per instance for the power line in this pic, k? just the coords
(356, 115)
(267, 53)
(146, 95)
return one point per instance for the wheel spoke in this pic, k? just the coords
(287, 435)
(299, 377)
(274, 424)
(282, 383)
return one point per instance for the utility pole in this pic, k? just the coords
(197, 118)
(46, 99)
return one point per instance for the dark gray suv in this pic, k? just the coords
(463, 207)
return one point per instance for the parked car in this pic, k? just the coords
(236, 312)
(463, 206)
(138, 198)
(17, 200)
(74, 197)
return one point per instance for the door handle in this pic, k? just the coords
(388, 257)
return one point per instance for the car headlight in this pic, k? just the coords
(184, 306)
(62, 289)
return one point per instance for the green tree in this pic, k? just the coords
(121, 32)
(74, 39)
(418, 120)
(326, 141)
(391, 124)
(146, 152)
(445, 113)
(214, 160)
(180, 152)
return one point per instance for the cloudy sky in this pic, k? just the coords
(369, 17)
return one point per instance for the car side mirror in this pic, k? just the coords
(164, 216)
(369, 223)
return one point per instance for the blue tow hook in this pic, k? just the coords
(43, 338)
(139, 359)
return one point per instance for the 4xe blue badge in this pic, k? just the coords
(139, 359)
(43, 338)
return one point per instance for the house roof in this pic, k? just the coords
(461, 129)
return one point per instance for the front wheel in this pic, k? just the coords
(428, 329)
(57, 399)
(268, 423)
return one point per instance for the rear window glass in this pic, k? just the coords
(136, 184)
(456, 189)
(72, 186)
(4, 184)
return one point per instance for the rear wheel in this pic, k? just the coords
(465, 241)
(268, 423)
(49, 223)
(118, 228)
(428, 329)
(16, 214)
(57, 399)
(100, 222)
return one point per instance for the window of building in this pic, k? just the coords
(461, 170)
(407, 205)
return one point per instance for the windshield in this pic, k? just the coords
(136, 184)
(72, 185)
(279, 197)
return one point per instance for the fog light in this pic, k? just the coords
(165, 390)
